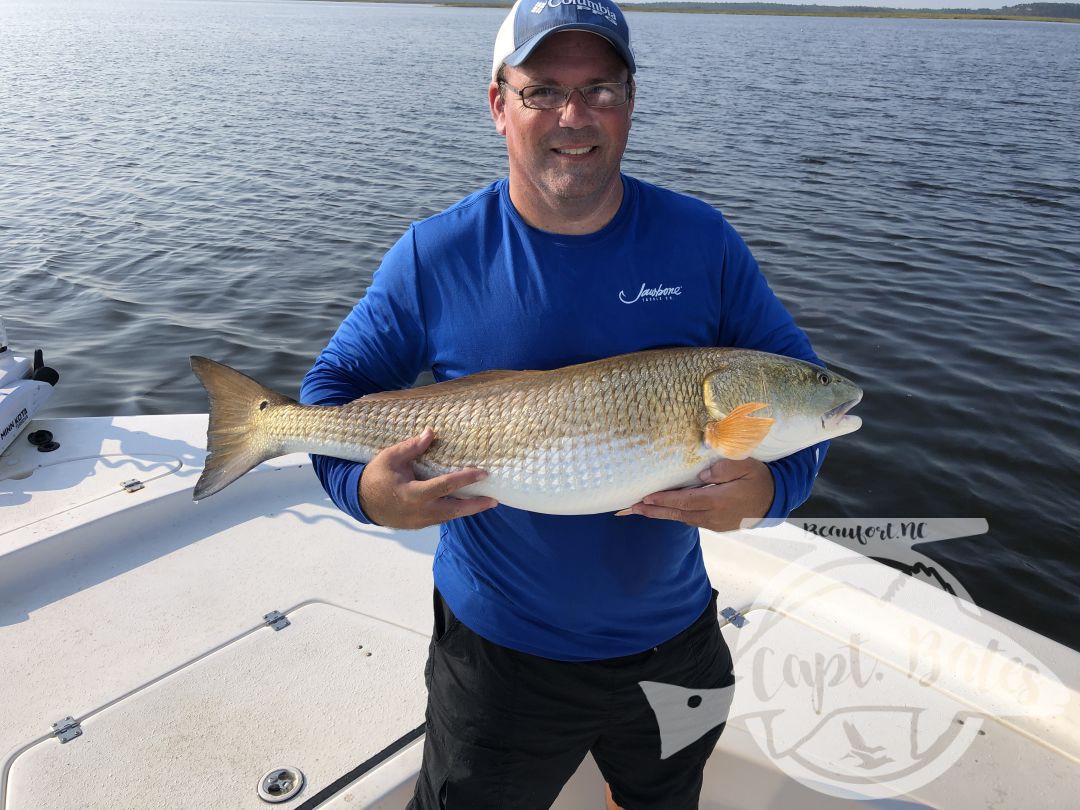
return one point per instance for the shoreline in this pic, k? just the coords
(899, 14)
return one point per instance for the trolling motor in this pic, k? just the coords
(25, 385)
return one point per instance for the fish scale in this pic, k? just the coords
(592, 437)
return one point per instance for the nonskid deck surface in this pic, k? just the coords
(140, 614)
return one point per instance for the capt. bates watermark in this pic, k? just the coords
(853, 678)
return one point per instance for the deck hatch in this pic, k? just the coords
(308, 699)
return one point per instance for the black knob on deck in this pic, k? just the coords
(39, 438)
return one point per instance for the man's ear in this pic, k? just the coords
(497, 102)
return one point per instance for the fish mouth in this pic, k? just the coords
(837, 419)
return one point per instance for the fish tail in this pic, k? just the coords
(236, 438)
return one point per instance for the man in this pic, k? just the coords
(545, 625)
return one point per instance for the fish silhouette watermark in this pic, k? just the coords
(683, 715)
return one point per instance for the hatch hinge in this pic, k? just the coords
(276, 619)
(733, 616)
(67, 729)
(134, 485)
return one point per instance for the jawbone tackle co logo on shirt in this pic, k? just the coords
(648, 294)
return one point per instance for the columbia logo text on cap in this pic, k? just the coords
(526, 26)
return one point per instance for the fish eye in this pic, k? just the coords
(823, 378)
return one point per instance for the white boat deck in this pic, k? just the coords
(141, 616)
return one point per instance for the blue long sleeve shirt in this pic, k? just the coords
(476, 288)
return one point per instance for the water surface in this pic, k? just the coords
(222, 178)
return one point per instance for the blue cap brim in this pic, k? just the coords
(523, 53)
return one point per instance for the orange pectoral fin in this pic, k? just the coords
(738, 433)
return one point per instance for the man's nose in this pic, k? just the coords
(575, 113)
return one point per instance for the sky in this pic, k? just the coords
(991, 4)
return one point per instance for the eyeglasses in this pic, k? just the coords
(551, 97)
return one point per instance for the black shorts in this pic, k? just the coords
(507, 730)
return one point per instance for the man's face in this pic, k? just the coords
(538, 141)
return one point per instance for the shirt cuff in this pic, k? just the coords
(778, 510)
(341, 480)
(352, 494)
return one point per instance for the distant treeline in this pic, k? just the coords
(1061, 10)
(1056, 11)
(1068, 10)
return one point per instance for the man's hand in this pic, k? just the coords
(734, 491)
(391, 495)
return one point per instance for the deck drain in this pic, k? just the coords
(280, 784)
